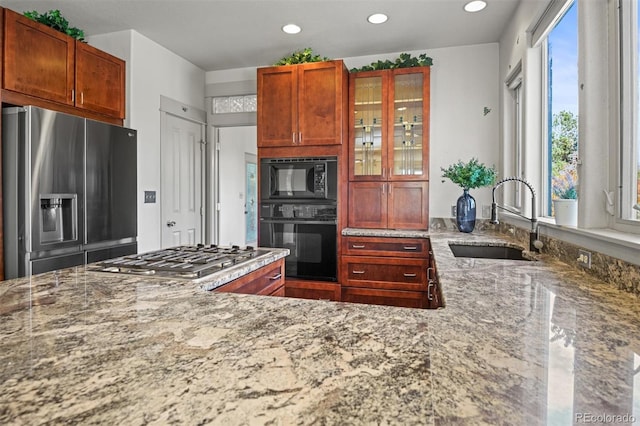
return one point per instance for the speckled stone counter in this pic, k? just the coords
(518, 343)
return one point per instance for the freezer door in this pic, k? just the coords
(111, 184)
(55, 158)
(48, 264)
(111, 252)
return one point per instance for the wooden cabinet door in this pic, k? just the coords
(277, 106)
(320, 103)
(367, 125)
(408, 130)
(367, 205)
(100, 81)
(408, 205)
(301, 104)
(38, 60)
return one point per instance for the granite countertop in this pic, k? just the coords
(518, 343)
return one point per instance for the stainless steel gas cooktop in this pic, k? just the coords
(187, 262)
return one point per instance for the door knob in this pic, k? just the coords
(171, 223)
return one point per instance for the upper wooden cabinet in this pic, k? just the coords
(47, 64)
(100, 80)
(302, 105)
(389, 124)
(38, 60)
(389, 149)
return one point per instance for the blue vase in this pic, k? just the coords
(466, 212)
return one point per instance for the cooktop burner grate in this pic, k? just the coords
(181, 261)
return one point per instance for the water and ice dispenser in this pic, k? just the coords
(58, 218)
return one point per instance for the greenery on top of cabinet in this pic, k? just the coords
(301, 57)
(55, 20)
(405, 60)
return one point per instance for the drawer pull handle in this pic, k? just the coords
(357, 272)
(431, 274)
(429, 293)
(410, 275)
(410, 248)
(275, 277)
(358, 246)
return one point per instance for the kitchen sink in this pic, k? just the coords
(487, 252)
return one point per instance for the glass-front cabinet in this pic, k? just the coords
(369, 117)
(389, 148)
(389, 133)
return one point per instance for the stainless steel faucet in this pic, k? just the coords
(534, 243)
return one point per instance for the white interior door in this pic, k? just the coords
(181, 182)
(238, 148)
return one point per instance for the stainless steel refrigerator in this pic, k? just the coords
(69, 190)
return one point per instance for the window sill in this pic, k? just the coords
(619, 245)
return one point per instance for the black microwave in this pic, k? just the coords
(299, 178)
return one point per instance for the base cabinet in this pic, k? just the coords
(389, 271)
(266, 281)
(393, 205)
(316, 290)
(403, 299)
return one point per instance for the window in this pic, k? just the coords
(630, 108)
(513, 149)
(562, 108)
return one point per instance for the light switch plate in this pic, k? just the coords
(149, 197)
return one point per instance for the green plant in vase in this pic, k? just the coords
(469, 175)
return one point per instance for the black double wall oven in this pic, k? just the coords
(298, 211)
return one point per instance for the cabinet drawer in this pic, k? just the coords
(407, 299)
(385, 273)
(263, 281)
(377, 246)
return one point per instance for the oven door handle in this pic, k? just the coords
(300, 222)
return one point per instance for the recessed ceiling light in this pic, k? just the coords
(475, 6)
(291, 29)
(377, 18)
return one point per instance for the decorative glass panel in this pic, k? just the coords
(250, 103)
(220, 105)
(236, 104)
(368, 127)
(407, 125)
(231, 104)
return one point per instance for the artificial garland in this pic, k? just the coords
(55, 20)
(301, 57)
(405, 60)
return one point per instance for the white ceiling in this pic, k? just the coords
(224, 34)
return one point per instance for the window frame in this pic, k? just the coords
(515, 155)
(629, 143)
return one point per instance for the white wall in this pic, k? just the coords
(152, 71)
(464, 80)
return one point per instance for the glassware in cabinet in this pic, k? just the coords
(408, 129)
(367, 148)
